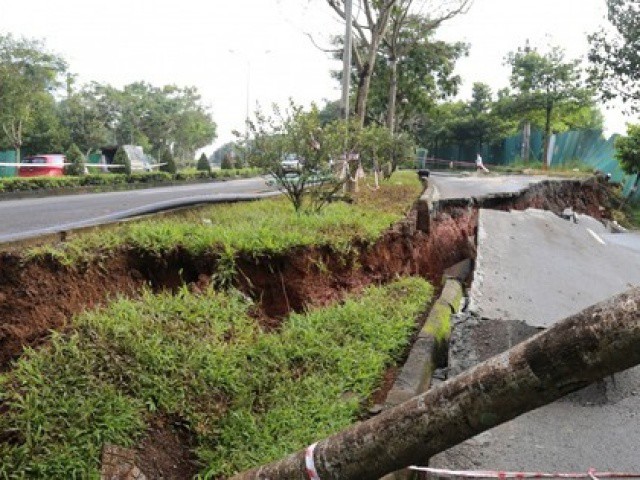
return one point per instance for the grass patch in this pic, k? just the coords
(627, 216)
(634, 215)
(570, 168)
(264, 227)
(248, 396)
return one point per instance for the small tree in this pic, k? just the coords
(299, 133)
(380, 148)
(203, 164)
(615, 57)
(228, 162)
(121, 158)
(545, 82)
(169, 162)
(76, 160)
(628, 153)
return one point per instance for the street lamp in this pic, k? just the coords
(247, 59)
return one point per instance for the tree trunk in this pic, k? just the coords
(547, 136)
(393, 91)
(364, 84)
(588, 346)
(526, 143)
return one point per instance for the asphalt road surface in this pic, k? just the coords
(449, 186)
(28, 218)
(532, 270)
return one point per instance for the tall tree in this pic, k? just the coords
(628, 153)
(157, 118)
(86, 124)
(369, 30)
(615, 57)
(379, 30)
(424, 75)
(28, 72)
(546, 82)
(477, 122)
(412, 22)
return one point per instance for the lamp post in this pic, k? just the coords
(247, 59)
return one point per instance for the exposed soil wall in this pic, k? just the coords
(38, 296)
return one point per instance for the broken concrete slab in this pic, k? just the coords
(449, 187)
(461, 271)
(536, 267)
(630, 240)
(474, 340)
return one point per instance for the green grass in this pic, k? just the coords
(248, 396)
(574, 167)
(264, 227)
(629, 215)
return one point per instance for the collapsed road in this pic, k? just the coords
(426, 424)
(532, 269)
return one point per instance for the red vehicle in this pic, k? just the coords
(47, 165)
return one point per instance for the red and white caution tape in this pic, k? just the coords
(309, 463)
(591, 474)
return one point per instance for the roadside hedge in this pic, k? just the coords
(28, 184)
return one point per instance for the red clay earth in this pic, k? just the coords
(42, 295)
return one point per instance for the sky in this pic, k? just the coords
(246, 52)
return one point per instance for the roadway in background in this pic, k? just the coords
(33, 217)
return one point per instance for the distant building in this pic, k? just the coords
(140, 161)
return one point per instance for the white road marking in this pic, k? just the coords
(596, 236)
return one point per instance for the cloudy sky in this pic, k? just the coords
(260, 47)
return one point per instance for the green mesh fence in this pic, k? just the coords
(570, 148)
(8, 156)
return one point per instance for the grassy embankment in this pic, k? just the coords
(247, 396)
(264, 227)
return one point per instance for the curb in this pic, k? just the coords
(424, 207)
(415, 376)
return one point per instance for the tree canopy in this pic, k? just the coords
(628, 150)
(35, 115)
(615, 56)
(544, 83)
(378, 27)
(28, 76)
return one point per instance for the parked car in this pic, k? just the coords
(291, 163)
(47, 165)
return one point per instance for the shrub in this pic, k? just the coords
(203, 164)
(123, 159)
(76, 160)
(169, 163)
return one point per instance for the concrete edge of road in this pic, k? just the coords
(65, 231)
(415, 375)
(424, 356)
